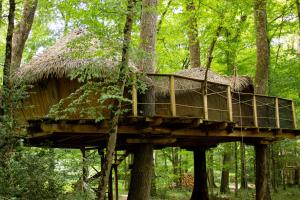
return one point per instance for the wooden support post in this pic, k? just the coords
(84, 170)
(116, 177)
(205, 105)
(229, 104)
(277, 119)
(254, 111)
(294, 115)
(172, 96)
(134, 101)
(110, 187)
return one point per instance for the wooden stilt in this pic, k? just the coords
(116, 177)
(110, 187)
(84, 169)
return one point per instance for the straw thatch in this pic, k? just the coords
(58, 60)
(239, 83)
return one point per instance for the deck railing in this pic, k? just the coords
(179, 96)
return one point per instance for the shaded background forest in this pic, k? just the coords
(55, 174)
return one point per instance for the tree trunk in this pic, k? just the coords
(262, 186)
(140, 183)
(8, 47)
(194, 47)
(236, 184)
(298, 11)
(224, 188)
(200, 190)
(141, 174)
(262, 47)
(244, 184)
(22, 31)
(210, 171)
(85, 170)
(111, 144)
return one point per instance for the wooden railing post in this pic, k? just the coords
(294, 115)
(277, 119)
(254, 111)
(172, 96)
(229, 104)
(134, 100)
(205, 105)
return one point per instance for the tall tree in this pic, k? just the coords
(140, 184)
(194, 47)
(22, 31)
(123, 75)
(262, 47)
(298, 11)
(261, 87)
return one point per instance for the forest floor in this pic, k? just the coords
(292, 193)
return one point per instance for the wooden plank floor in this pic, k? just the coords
(185, 132)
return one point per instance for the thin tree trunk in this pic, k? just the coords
(210, 171)
(193, 36)
(262, 47)
(224, 188)
(236, 169)
(163, 16)
(22, 31)
(298, 12)
(211, 48)
(262, 186)
(8, 48)
(244, 184)
(111, 144)
(200, 190)
(84, 170)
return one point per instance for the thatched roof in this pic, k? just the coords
(58, 60)
(240, 83)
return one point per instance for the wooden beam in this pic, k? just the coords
(134, 101)
(277, 117)
(205, 106)
(172, 96)
(294, 115)
(151, 141)
(254, 111)
(229, 104)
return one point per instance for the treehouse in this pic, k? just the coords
(189, 111)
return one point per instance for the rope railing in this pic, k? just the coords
(176, 98)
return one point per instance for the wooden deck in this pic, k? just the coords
(219, 116)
